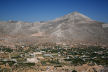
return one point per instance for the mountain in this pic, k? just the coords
(73, 27)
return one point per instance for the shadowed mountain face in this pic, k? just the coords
(71, 27)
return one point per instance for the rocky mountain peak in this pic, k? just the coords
(77, 16)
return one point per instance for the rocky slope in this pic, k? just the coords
(71, 27)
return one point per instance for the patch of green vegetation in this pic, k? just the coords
(6, 49)
(26, 64)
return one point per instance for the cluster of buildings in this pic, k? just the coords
(56, 57)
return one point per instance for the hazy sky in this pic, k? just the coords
(44, 10)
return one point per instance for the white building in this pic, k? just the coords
(32, 60)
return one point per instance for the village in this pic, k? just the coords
(53, 59)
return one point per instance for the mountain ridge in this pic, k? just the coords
(71, 27)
